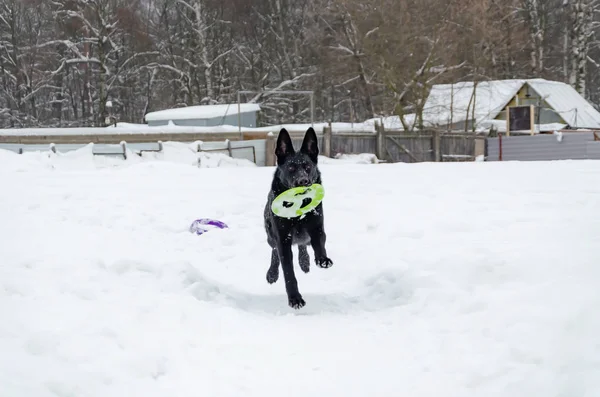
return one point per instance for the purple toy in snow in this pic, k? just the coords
(199, 226)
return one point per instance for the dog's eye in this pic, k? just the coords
(292, 168)
(307, 167)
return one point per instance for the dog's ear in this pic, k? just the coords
(310, 144)
(284, 146)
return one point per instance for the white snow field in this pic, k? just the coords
(452, 279)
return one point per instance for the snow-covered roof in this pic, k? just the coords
(567, 102)
(449, 103)
(446, 100)
(201, 111)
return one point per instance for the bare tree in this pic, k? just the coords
(62, 60)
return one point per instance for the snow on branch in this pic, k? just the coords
(342, 48)
(370, 32)
(281, 86)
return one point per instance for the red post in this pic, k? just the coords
(500, 146)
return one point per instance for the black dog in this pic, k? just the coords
(295, 169)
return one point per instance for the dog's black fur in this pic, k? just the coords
(295, 169)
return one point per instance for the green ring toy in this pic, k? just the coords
(292, 203)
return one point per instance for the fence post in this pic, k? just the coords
(379, 130)
(436, 144)
(124, 148)
(480, 148)
(270, 150)
(327, 140)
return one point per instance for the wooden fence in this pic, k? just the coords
(392, 146)
(388, 146)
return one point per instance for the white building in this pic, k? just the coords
(206, 115)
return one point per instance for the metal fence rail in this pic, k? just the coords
(560, 146)
(253, 150)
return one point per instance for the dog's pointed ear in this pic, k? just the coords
(284, 146)
(310, 144)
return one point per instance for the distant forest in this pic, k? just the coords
(62, 60)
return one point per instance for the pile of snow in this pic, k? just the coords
(392, 122)
(84, 158)
(449, 279)
(340, 158)
(186, 153)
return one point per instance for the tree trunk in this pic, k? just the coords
(581, 17)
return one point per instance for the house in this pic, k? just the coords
(556, 105)
(206, 115)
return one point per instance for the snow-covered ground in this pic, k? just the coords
(453, 279)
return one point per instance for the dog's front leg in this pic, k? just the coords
(317, 241)
(286, 258)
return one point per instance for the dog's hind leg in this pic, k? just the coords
(273, 272)
(303, 258)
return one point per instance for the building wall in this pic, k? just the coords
(546, 116)
(248, 120)
(157, 123)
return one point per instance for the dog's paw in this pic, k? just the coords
(296, 301)
(305, 267)
(324, 263)
(272, 275)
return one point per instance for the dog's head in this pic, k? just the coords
(297, 168)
